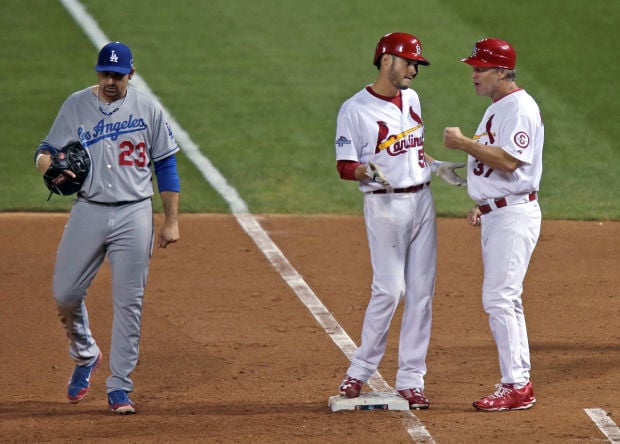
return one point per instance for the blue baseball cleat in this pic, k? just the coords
(79, 384)
(119, 402)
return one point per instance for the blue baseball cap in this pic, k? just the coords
(115, 57)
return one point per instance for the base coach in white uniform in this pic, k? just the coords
(503, 176)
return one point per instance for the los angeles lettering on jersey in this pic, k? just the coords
(111, 130)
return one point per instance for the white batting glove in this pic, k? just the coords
(375, 173)
(445, 170)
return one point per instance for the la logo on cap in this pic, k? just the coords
(115, 57)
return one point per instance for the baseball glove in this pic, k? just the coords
(68, 170)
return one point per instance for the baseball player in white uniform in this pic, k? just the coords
(380, 142)
(125, 133)
(503, 176)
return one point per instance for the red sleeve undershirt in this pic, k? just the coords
(346, 169)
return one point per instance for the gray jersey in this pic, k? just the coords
(122, 138)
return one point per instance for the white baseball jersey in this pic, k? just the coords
(400, 226)
(513, 123)
(371, 128)
(509, 234)
(121, 146)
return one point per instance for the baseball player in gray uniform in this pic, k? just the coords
(503, 175)
(380, 143)
(125, 134)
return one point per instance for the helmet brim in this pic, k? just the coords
(480, 63)
(421, 60)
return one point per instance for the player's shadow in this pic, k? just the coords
(48, 409)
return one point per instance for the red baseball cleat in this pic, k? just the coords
(508, 398)
(350, 387)
(416, 398)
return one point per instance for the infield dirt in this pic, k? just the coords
(230, 354)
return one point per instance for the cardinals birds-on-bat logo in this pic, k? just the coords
(398, 143)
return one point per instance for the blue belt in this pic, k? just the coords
(114, 204)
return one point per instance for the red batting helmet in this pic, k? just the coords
(402, 45)
(492, 53)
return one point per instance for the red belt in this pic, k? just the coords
(501, 203)
(411, 189)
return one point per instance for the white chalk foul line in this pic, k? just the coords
(250, 225)
(414, 426)
(605, 424)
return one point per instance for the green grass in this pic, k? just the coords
(258, 84)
